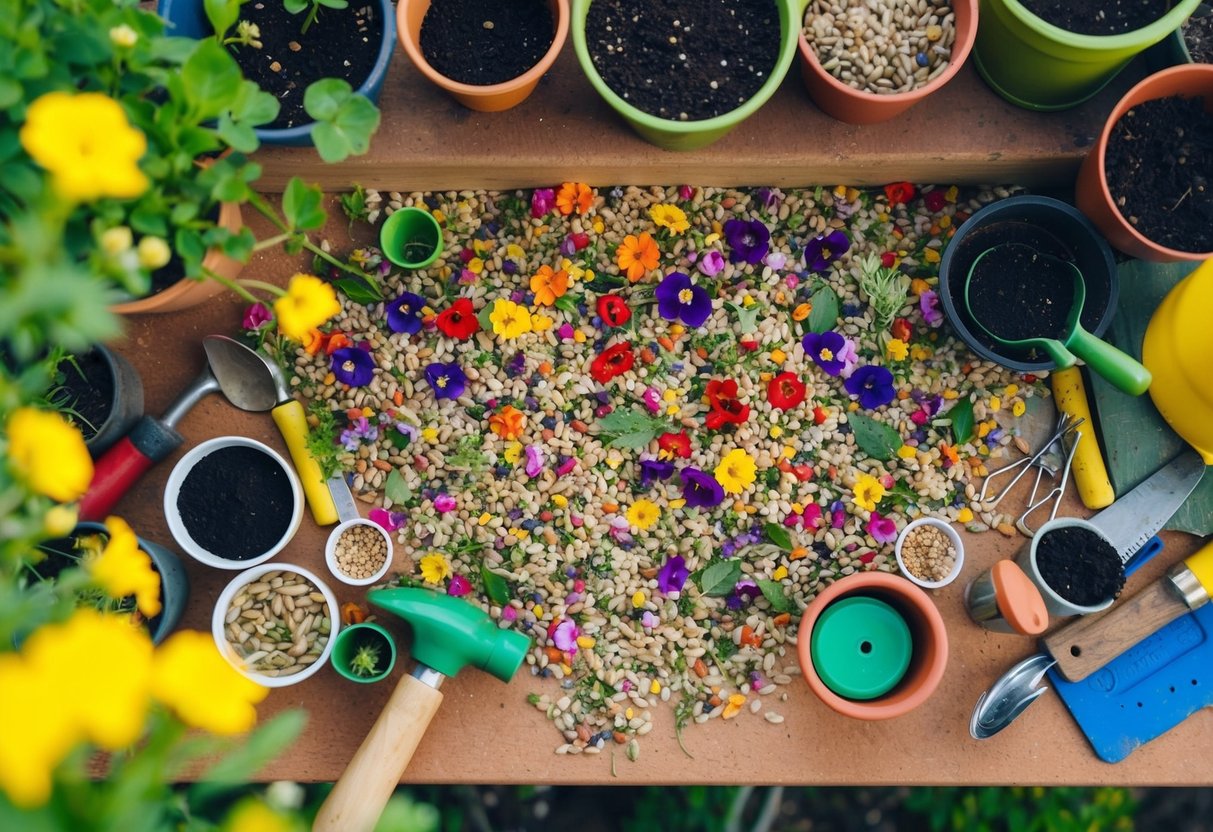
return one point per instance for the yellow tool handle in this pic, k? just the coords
(292, 423)
(1090, 474)
(355, 803)
(1201, 565)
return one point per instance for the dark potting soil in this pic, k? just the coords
(1158, 163)
(1098, 17)
(236, 503)
(483, 42)
(684, 59)
(341, 43)
(1080, 566)
(87, 391)
(1018, 294)
(1198, 36)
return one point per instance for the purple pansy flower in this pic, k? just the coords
(534, 461)
(564, 636)
(848, 357)
(882, 529)
(652, 470)
(445, 503)
(744, 591)
(404, 313)
(257, 316)
(928, 303)
(359, 431)
(748, 239)
(711, 263)
(542, 201)
(700, 489)
(353, 366)
(679, 299)
(448, 381)
(872, 384)
(825, 349)
(672, 575)
(776, 260)
(824, 249)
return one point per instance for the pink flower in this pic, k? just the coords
(389, 520)
(567, 466)
(508, 613)
(791, 281)
(812, 516)
(542, 201)
(651, 400)
(256, 316)
(445, 503)
(882, 529)
(685, 192)
(534, 460)
(459, 586)
(848, 357)
(649, 620)
(564, 635)
(919, 417)
(566, 331)
(711, 263)
(776, 260)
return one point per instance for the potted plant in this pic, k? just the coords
(490, 56)
(1191, 43)
(1144, 182)
(101, 393)
(1052, 56)
(1075, 567)
(364, 653)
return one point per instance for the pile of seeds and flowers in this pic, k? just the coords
(646, 426)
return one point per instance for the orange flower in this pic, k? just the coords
(314, 341)
(508, 423)
(574, 197)
(637, 256)
(548, 285)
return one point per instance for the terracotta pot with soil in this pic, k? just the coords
(1145, 183)
(102, 394)
(1076, 568)
(488, 55)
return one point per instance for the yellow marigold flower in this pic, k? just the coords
(116, 240)
(123, 569)
(867, 492)
(508, 422)
(637, 255)
(643, 514)
(308, 303)
(87, 144)
(736, 472)
(253, 815)
(670, 217)
(897, 349)
(510, 320)
(196, 682)
(49, 454)
(574, 198)
(435, 568)
(32, 747)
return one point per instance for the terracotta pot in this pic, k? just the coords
(930, 644)
(1091, 191)
(188, 292)
(489, 98)
(845, 103)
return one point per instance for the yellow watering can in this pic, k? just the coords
(1178, 351)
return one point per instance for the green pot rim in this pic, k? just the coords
(1151, 33)
(352, 633)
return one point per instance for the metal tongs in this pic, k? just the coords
(1057, 452)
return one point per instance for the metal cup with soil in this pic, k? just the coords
(1075, 567)
(102, 394)
(364, 653)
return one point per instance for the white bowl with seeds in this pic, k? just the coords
(930, 553)
(275, 623)
(359, 552)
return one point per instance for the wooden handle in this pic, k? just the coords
(1092, 641)
(355, 803)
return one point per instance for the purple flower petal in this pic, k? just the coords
(748, 239)
(672, 575)
(824, 249)
(459, 586)
(353, 366)
(928, 304)
(565, 636)
(652, 470)
(825, 348)
(882, 529)
(256, 316)
(700, 489)
(404, 313)
(711, 263)
(448, 381)
(390, 521)
(542, 201)
(445, 503)
(534, 461)
(873, 385)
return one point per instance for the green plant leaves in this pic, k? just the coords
(250, 755)
(825, 311)
(211, 79)
(630, 428)
(495, 586)
(773, 592)
(874, 438)
(720, 577)
(303, 206)
(962, 421)
(359, 290)
(396, 489)
(345, 121)
(222, 14)
(778, 535)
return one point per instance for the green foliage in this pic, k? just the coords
(826, 308)
(886, 290)
(876, 439)
(1022, 809)
(961, 415)
(345, 121)
(313, 7)
(630, 428)
(719, 577)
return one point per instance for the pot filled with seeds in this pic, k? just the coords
(358, 552)
(866, 61)
(930, 553)
(275, 624)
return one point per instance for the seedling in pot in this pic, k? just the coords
(313, 6)
(364, 652)
(366, 661)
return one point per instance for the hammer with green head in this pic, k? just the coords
(449, 634)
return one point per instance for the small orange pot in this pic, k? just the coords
(1092, 195)
(493, 97)
(929, 637)
(188, 292)
(845, 103)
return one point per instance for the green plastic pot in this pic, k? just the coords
(411, 238)
(1039, 66)
(356, 636)
(690, 135)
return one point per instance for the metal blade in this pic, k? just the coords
(1136, 517)
(343, 498)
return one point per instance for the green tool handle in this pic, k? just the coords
(1117, 367)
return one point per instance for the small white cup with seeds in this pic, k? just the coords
(359, 552)
(930, 553)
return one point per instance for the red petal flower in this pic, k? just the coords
(727, 412)
(888, 259)
(902, 329)
(803, 473)
(748, 344)
(785, 391)
(819, 416)
(613, 310)
(580, 240)
(675, 444)
(458, 321)
(613, 361)
(935, 200)
(719, 391)
(899, 192)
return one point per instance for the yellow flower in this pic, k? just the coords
(897, 349)
(49, 454)
(60, 520)
(965, 515)
(435, 568)
(87, 145)
(930, 255)
(736, 471)
(122, 569)
(123, 36)
(513, 453)
(154, 253)
(191, 677)
(429, 434)
(734, 706)
(36, 736)
(907, 452)
(510, 320)
(541, 322)
(643, 514)
(253, 815)
(308, 303)
(669, 216)
(116, 240)
(867, 492)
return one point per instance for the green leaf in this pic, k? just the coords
(495, 586)
(239, 136)
(358, 290)
(566, 304)
(962, 421)
(720, 578)
(825, 310)
(483, 317)
(779, 535)
(212, 79)
(222, 14)
(773, 592)
(747, 316)
(345, 121)
(396, 489)
(303, 206)
(630, 428)
(295, 6)
(324, 98)
(249, 756)
(874, 438)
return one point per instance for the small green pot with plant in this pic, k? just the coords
(364, 652)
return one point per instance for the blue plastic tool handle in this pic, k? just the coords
(1142, 556)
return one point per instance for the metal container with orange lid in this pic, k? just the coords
(1004, 599)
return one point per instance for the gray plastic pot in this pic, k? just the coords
(126, 404)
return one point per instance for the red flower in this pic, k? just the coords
(579, 239)
(785, 391)
(888, 259)
(675, 444)
(730, 412)
(614, 361)
(459, 320)
(613, 310)
(935, 200)
(803, 473)
(899, 192)
(902, 329)
(719, 391)
(819, 416)
(748, 344)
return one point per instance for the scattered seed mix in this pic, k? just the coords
(646, 426)
(279, 624)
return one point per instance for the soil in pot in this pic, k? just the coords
(484, 42)
(66, 553)
(1158, 163)
(87, 391)
(341, 43)
(236, 502)
(1017, 294)
(1098, 17)
(1080, 566)
(1198, 36)
(684, 60)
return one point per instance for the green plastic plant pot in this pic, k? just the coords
(861, 648)
(690, 135)
(356, 637)
(411, 238)
(1039, 66)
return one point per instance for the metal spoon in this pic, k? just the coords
(1008, 697)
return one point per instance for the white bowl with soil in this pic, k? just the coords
(275, 624)
(929, 553)
(233, 502)
(359, 552)
(1076, 568)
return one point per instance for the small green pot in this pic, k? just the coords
(357, 636)
(1039, 66)
(411, 238)
(690, 135)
